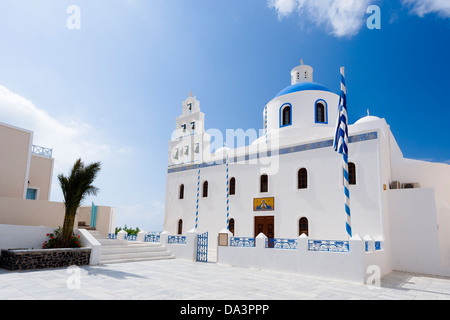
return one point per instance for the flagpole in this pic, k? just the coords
(341, 146)
(228, 195)
(198, 194)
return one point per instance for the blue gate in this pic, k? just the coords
(202, 247)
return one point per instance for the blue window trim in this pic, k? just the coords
(326, 111)
(281, 115)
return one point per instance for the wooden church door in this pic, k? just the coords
(265, 225)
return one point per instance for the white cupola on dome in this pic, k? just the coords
(302, 73)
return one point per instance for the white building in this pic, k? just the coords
(290, 181)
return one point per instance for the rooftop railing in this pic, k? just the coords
(41, 151)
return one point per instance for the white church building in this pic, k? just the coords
(289, 182)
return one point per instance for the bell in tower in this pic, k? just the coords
(302, 73)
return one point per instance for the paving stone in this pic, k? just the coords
(184, 280)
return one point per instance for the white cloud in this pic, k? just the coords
(69, 138)
(283, 7)
(341, 18)
(424, 7)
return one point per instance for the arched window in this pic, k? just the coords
(181, 193)
(205, 189)
(231, 226)
(302, 178)
(285, 115)
(321, 112)
(264, 183)
(351, 173)
(303, 226)
(180, 227)
(232, 186)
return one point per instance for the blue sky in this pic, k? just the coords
(110, 91)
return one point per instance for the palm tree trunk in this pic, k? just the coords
(67, 231)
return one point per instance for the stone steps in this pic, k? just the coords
(120, 251)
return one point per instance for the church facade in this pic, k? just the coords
(289, 181)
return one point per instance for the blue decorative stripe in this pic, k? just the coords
(347, 193)
(348, 228)
(346, 177)
(299, 148)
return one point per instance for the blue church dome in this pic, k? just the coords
(302, 86)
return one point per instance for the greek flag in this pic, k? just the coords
(341, 136)
(341, 146)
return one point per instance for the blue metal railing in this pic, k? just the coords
(176, 240)
(277, 243)
(131, 237)
(328, 245)
(242, 242)
(152, 238)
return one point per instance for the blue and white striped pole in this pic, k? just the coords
(265, 122)
(198, 195)
(228, 196)
(341, 146)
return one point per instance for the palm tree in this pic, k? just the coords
(75, 188)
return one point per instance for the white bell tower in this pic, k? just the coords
(186, 144)
(302, 73)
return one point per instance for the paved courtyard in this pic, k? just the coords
(185, 280)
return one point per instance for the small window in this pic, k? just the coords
(321, 110)
(31, 194)
(264, 183)
(232, 186)
(205, 189)
(186, 150)
(193, 125)
(181, 195)
(231, 226)
(180, 227)
(286, 115)
(190, 106)
(183, 126)
(351, 173)
(303, 227)
(197, 148)
(302, 179)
